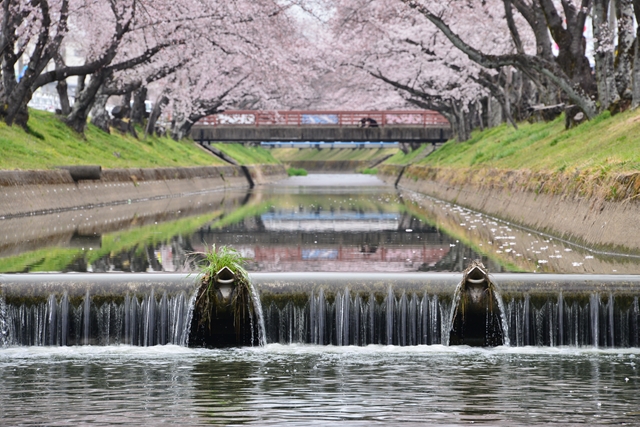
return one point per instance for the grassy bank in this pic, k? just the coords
(400, 158)
(50, 143)
(603, 146)
(247, 155)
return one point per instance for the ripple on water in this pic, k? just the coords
(316, 385)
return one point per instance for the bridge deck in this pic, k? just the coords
(317, 134)
(323, 126)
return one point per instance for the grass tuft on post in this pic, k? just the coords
(209, 302)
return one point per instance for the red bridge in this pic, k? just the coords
(323, 126)
(412, 118)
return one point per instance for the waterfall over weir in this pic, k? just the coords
(416, 309)
(136, 321)
(59, 310)
(317, 308)
(359, 319)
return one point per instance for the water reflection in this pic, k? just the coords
(314, 223)
(143, 236)
(514, 247)
(338, 231)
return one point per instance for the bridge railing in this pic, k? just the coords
(395, 118)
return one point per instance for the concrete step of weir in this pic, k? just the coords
(42, 285)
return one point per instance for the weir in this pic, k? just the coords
(318, 308)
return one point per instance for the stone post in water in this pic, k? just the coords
(224, 315)
(476, 319)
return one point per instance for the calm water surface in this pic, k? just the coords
(314, 223)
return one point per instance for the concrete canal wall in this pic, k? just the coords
(265, 174)
(604, 216)
(37, 192)
(331, 166)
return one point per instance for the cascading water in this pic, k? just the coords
(259, 316)
(351, 318)
(4, 332)
(134, 320)
(326, 309)
(477, 317)
(404, 317)
(593, 319)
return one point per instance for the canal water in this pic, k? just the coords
(321, 223)
(351, 223)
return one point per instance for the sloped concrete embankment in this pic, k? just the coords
(267, 173)
(601, 213)
(391, 174)
(38, 192)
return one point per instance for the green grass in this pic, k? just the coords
(369, 171)
(242, 212)
(401, 158)
(247, 155)
(50, 143)
(214, 260)
(297, 172)
(609, 144)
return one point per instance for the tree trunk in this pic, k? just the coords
(138, 111)
(99, 114)
(17, 94)
(625, 49)
(635, 76)
(462, 128)
(180, 128)
(63, 94)
(9, 82)
(506, 90)
(81, 83)
(603, 53)
(77, 120)
(568, 33)
(62, 87)
(494, 112)
(126, 101)
(155, 115)
(579, 93)
(17, 110)
(14, 108)
(480, 114)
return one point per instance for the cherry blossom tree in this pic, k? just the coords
(476, 62)
(213, 54)
(30, 35)
(261, 60)
(151, 39)
(386, 41)
(614, 82)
